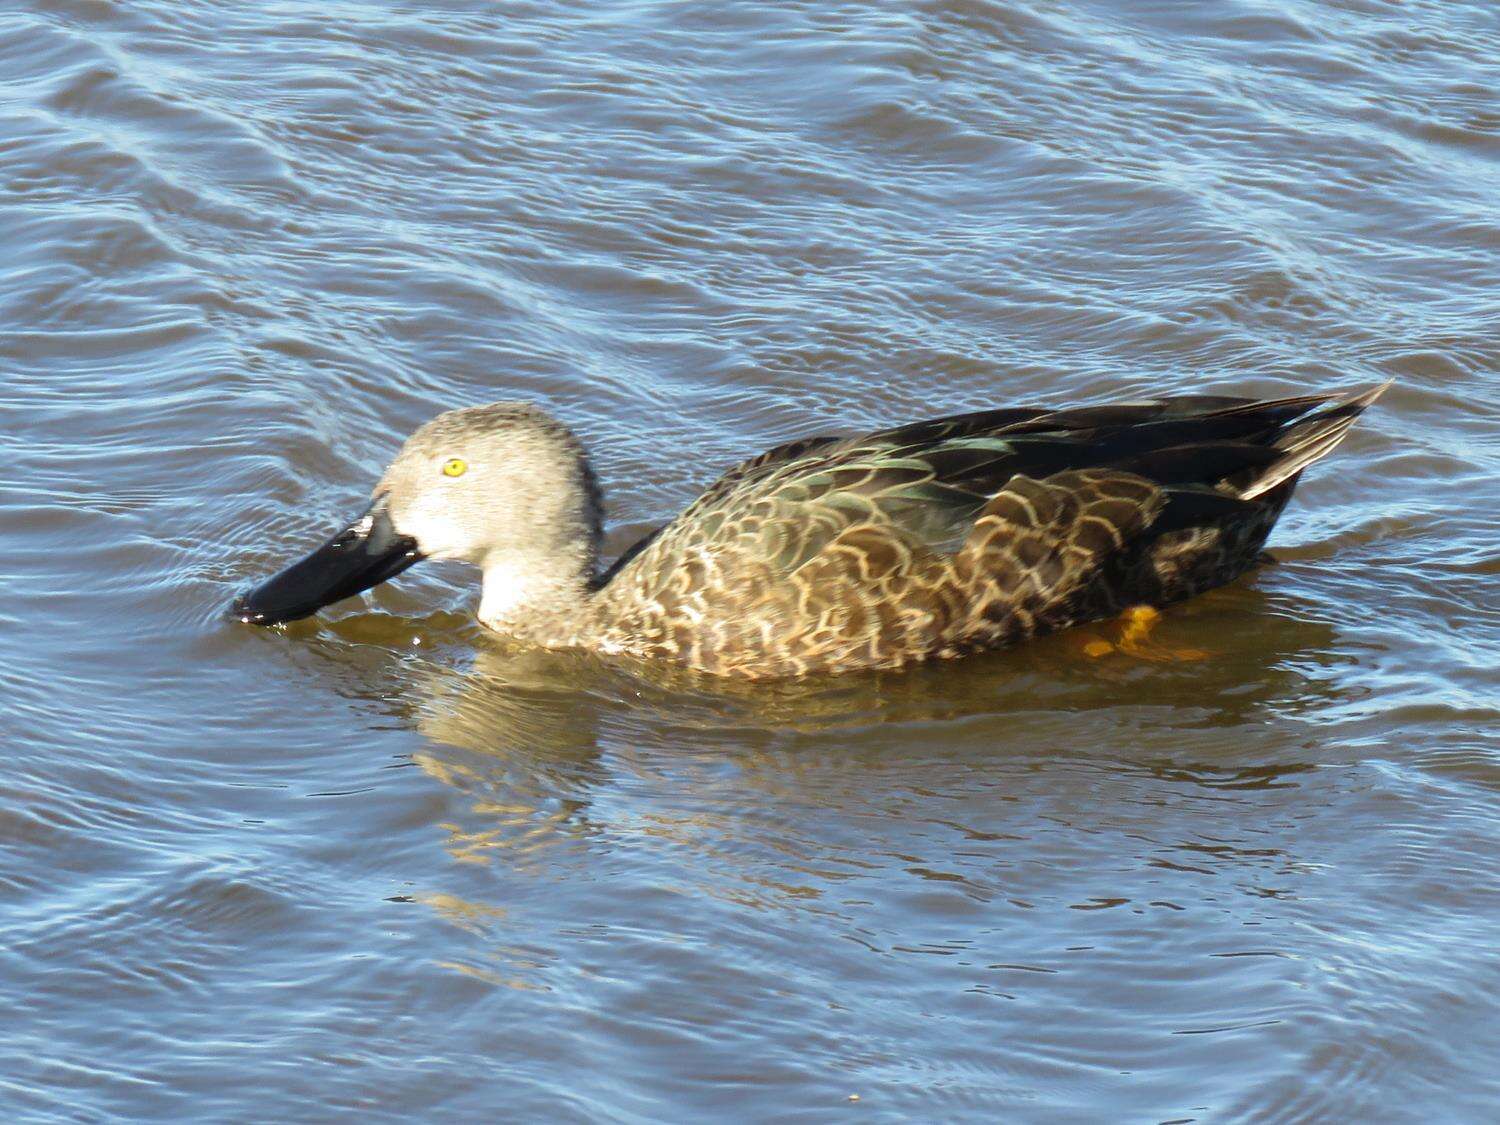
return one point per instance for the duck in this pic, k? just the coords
(829, 554)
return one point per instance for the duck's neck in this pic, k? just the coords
(538, 582)
(543, 602)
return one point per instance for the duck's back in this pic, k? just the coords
(963, 533)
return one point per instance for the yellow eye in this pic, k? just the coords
(454, 467)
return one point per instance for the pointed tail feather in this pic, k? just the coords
(1309, 439)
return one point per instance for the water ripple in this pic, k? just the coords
(378, 863)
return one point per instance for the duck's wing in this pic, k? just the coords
(742, 477)
(915, 499)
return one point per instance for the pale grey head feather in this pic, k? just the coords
(526, 507)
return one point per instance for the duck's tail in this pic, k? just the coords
(1312, 437)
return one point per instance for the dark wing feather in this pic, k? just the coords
(959, 533)
(802, 451)
(926, 482)
(626, 555)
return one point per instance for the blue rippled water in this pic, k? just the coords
(373, 866)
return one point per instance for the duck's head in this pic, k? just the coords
(504, 487)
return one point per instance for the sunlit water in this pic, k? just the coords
(374, 865)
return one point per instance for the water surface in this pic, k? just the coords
(375, 866)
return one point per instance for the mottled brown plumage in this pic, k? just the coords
(833, 553)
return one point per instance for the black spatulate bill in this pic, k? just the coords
(364, 554)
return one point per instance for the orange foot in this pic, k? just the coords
(1134, 640)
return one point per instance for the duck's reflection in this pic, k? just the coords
(548, 750)
(518, 733)
(523, 728)
(965, 779)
